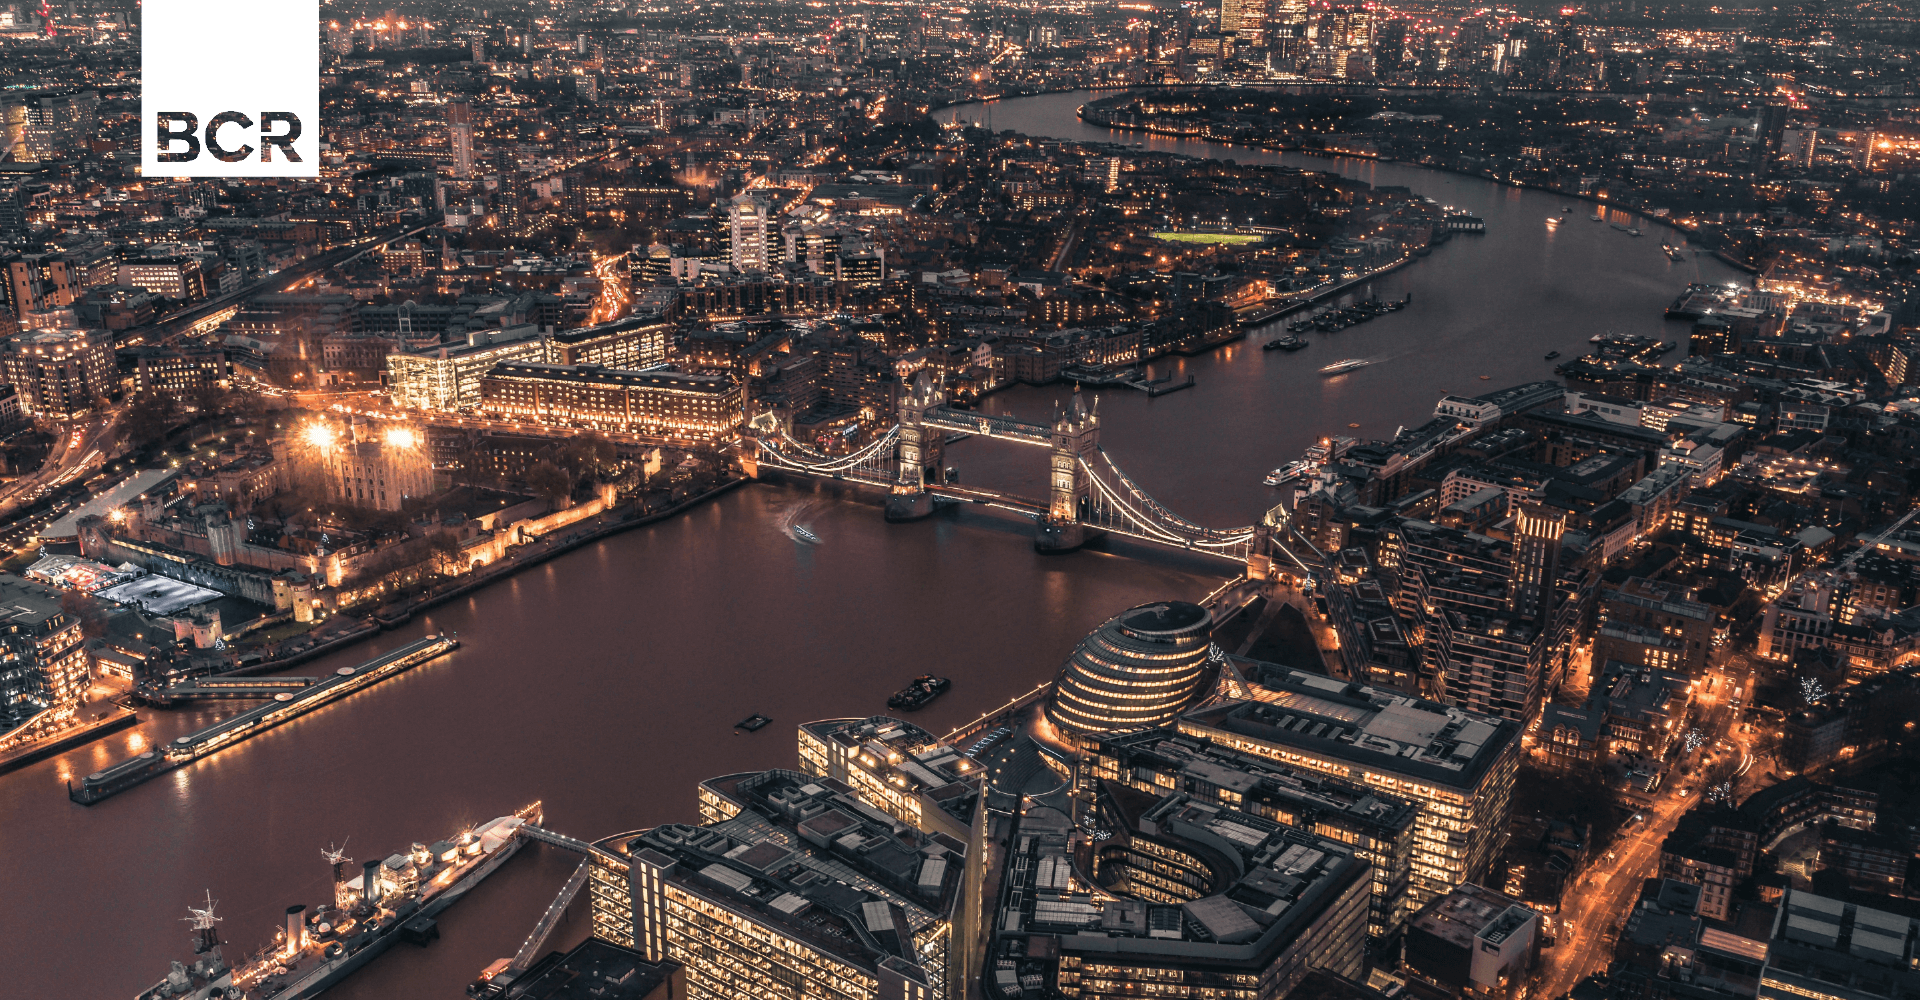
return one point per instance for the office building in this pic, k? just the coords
(1473, 942)
(43, 664)
(633, 342)
(803, 890)
(900, 769)
(1457, 765)
(661, 403)
(1379, 827)
(179, 373)
(448, 377)
(1645, 623)
(907, 773)
(1824, 949)
(1139, 668)
(1197, 900)
(179, 278)
(61, 373)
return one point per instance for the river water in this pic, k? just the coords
(606, 682)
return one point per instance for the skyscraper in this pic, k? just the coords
(747, 226)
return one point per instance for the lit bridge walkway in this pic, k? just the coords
(530, 950)
(567, 843)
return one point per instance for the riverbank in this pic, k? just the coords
(391, 617)
(20, 757)
(1424, 164)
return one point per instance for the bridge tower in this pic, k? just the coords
(1076, 438)
(920, 448)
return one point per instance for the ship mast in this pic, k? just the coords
(337, 857)
(206, 937)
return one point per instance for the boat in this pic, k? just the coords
(1342, 367)
(806, 536)
(919, 694)
(1597, 338)
(1553, 220)
(753, 723)
(1566, 209)
(1289, 472)
(1634, 232)
(1552, 354)
(1595, 216)
(392, 898)
(1674, 254)
(1287, 343)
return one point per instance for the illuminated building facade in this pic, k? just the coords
(747, 222)
(1826, 949)
(1378, 827)
(1458, 766)
(907, 773)
(60, 373)
(803, 890)
(663, 403)
(1138, 669)
(1198, 900)
(448, 378)
(43, 663)
(625, 343)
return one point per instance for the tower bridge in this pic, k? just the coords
(1088, 494)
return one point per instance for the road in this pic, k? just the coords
(1602, 897)
(1598, 904)
(80, 449)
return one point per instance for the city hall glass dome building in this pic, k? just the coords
(1139, 668)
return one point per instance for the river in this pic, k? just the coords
(606, 682)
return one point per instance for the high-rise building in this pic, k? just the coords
(1457, 765)
(1139, 668)
(1380, 827)
(747, 224)
(460, 135)
(801, 890)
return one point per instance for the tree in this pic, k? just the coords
(88, 610)
(150, 416)
(549, 480)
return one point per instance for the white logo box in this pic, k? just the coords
(239, 61)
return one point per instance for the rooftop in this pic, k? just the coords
(1370, 726)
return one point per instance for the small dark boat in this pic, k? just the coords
(753, 723)
(1552, 354)
(1288, 343)
(919, 694)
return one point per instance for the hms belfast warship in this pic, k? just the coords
(392, 898)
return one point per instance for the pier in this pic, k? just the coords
(206, 688)
(285, 707)
(1131, 380)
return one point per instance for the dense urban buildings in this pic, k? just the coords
(1574, 655)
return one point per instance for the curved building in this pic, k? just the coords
(1138, 669)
